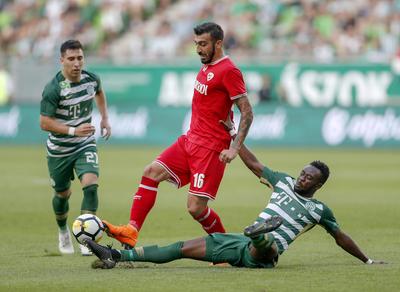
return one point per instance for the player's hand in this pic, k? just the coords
(85, 129)
(105, 129)
(227, 155)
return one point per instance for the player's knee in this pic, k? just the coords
(151, 171)
(195, 210)
(89, 179)
(64, 194)
(196, 206)
(155, 172)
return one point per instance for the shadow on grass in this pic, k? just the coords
(98, 264)
(49, 253)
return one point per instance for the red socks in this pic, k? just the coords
(210, 221)
(143, 201)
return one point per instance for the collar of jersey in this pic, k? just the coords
(219, 60)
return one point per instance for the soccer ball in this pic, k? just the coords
(87, 226)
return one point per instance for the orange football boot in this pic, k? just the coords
(126, 234)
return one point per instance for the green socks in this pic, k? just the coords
(90, 200)
(90, 203)
(61, 207)
(153, 253)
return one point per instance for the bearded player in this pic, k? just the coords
(199, 157)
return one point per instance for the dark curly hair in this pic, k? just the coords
(70, 45)
(212, 28)
(323, 168)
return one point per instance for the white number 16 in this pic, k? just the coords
(198, 180)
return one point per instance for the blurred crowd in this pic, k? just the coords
(145, 30)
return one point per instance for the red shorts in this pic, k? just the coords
(187, 162)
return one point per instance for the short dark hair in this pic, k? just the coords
(323, 168)
(70, 45)
(212, 28)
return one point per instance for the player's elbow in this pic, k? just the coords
(256, 169)
(251, 165)
(249, 113)
(44, 124)
(250, 116)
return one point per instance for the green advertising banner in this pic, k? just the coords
(294, 84)
(272, 126)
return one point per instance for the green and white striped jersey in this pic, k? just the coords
(70, 104)
(300, 214)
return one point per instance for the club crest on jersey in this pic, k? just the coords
(210, 76)
(200, 87)
(90, 90)
(310, 206)
(64, 84)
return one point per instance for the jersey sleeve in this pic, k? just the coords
(270, 177)
(96, 78)
(49, 102)
(234, 83)
(99, 85)
(328, 220)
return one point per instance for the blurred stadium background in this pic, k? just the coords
(323, 77)
(319, 73)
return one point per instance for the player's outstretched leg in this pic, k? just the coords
(126, 234)
(258, 228)
(106, 254)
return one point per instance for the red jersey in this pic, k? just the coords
(217, 85)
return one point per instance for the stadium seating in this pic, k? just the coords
(138, 30)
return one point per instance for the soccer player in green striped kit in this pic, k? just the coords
(291, 211)
(66, 113)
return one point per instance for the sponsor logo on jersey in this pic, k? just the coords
(310, 206)
(210, 76)
(200, 87)
(205, 68)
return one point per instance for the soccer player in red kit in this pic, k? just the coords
(199, 157)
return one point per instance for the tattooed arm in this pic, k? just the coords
(246, 118)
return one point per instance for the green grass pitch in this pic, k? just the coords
(363, 192)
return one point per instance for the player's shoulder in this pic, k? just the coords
(55, 84)
(89, 75)
(226, 63)
(321, 205)
(278, 178)
(229, 67)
